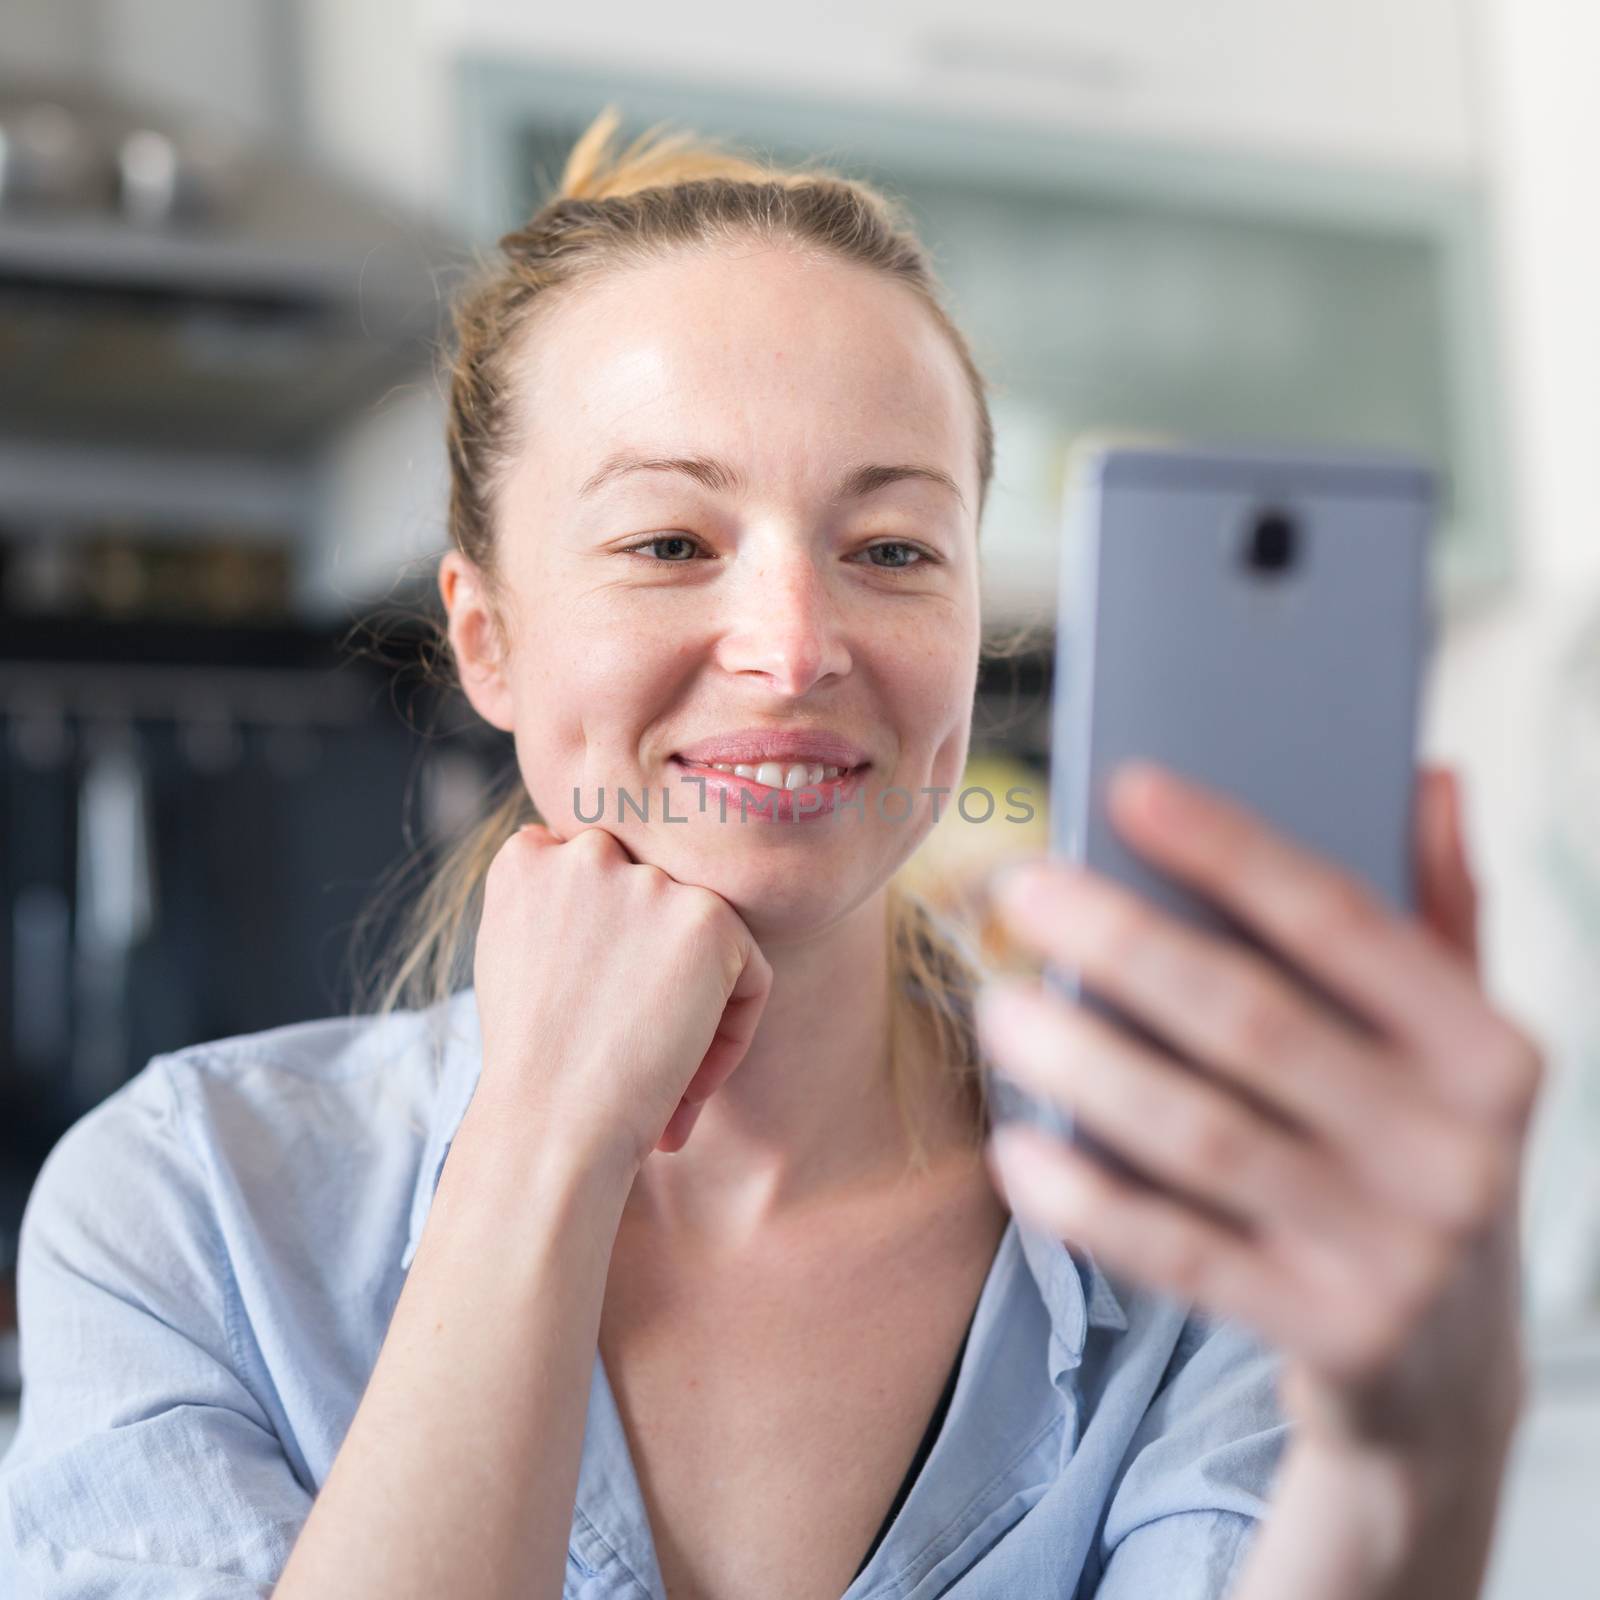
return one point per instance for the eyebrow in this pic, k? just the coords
(719, 477)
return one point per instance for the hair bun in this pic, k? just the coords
(655, 159)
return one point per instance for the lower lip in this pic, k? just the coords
(767, 804)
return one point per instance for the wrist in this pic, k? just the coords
(511, 1164)
(510, 1109)
(1416, 1521)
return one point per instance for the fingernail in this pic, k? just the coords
(1148, 790)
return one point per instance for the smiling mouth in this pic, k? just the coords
(789, 775)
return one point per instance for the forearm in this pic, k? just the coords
(1369, 1527)
(459, 1470)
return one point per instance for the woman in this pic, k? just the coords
(657, 1283)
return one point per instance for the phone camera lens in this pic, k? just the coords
(1272, 543)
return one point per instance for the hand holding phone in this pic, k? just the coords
(1342, 1178)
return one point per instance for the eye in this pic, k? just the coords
(905, 554)
(681, 540)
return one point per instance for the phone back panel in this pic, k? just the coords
(1294, 691)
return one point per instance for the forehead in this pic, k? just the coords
(785, 362)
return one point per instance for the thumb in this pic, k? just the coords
(1446, 891)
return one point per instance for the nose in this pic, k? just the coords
(785, 623)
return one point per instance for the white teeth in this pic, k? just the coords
(774, 775)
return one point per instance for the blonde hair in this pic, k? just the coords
(611, 210)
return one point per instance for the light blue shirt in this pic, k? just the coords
(211, 1256)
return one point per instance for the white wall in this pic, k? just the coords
(377, 87)
(1537, 61)
(1358, 81)
(1376, 82)
(224, 60)
(1506, 703)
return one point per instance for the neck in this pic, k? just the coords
(809, 1115)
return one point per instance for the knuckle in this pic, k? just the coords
(703, 908)
(1373, 1335)
(1337, 908)
(507, 859)
(1211, 1142)
(1126, 930)
(1482, 1183)
(697, 915)
(1519, 1074)
(647, 883)
(1260, 1027)
(1428, 1260)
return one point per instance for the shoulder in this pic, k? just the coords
(1196, 1435)
(298, 1086)
(1211, 1431)
(243, 1123)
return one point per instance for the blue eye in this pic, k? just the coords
(915, 552)
(663, 538)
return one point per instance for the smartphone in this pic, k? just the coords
(1256, 619)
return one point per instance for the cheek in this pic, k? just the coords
(930, 678)
(584, 696)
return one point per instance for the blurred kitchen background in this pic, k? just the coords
(227, 230)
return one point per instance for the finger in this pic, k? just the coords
(1445, 888)
(538, 833)
(598, 838)
(679, 1126)
(741, 1016)
(1207, 996)
(1158, 1241)
(1230, 1010)
(1330, 924)
(1176, 1126)
(1464, 874)
(755, 976)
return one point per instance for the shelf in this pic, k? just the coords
(67, 483)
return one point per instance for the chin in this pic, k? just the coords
(778, 891)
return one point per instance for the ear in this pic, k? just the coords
(475, 640)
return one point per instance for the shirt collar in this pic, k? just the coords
(1076, 1292)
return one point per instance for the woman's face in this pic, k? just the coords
(752, 590)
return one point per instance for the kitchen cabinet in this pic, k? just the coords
(1378, 82)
